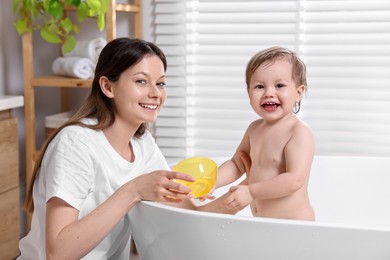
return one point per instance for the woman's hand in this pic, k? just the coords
(160, 186)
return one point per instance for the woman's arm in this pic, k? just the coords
(68, 237)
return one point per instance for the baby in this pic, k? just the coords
(279, 144)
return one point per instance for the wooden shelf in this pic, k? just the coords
(128, 8)
(58, 81)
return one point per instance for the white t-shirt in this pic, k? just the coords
(83, 169)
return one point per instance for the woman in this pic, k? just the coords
(97, 166)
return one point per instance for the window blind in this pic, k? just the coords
(170, 30)
(345, 45)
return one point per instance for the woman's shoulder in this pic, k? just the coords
(77, 132)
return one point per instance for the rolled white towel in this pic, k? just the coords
(77, 67)
(88, 48)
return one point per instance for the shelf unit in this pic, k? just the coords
(64, 83)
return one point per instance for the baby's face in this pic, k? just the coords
(272, 90)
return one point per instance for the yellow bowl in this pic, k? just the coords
(203, 169)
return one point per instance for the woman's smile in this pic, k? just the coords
(149, 106)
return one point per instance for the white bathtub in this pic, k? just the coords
(351, 197)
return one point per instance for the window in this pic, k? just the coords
(345, 45)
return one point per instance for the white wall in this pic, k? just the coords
(47, 99)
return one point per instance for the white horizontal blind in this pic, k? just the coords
(228, 33)
(346, 47)
(170, 29)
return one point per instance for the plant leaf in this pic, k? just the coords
(94, 6)
(76, 29)
(101, 22)
(104, 7)
(55, 9)
(67, 25)
(82, 12)
(15, 4)
(76, 2)
(21, 26)
(46, 5)
(71, 3)
(48, 16)
(70, 44)
(49, 36)
(34, 9)
(93, 13)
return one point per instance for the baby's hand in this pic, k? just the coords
(239, 198)
(209, 196)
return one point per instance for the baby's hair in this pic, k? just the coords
(269, 55)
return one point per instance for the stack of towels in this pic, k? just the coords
(81, 61)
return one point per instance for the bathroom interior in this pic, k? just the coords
(346, 48)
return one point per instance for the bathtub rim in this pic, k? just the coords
(262, 219)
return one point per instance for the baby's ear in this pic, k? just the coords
(106, 87)
(300, 91)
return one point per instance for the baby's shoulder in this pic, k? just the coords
(301, 125)
(301, 128)
(256, 124)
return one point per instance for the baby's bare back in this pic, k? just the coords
(277, 167)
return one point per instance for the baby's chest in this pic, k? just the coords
(269, 141)
(268, 151)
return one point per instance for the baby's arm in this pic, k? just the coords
(218, 205)
(228, 172)
(234, 168)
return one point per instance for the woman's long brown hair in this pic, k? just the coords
(117, 56)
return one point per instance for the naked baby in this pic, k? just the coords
(276, 151)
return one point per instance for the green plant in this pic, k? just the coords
(49, 16)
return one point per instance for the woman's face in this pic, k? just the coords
(140, 92)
